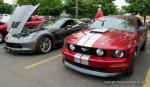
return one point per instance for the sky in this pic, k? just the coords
(119, 3)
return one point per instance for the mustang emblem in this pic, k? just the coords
(84, 49)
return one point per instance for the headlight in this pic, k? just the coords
(100, 52)
(72, 47)
(118, 53)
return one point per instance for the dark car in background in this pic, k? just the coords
(42, 38)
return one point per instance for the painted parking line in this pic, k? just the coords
(42, 61)
(147, 79)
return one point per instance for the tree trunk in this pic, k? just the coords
(144, 18)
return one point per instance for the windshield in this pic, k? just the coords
(5, 19)
(114, 23)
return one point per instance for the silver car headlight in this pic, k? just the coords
(72, 47)
(100, 52)
(118, 53)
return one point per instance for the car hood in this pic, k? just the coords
(19, 17)
(104, 39)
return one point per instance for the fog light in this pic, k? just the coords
(100, 52)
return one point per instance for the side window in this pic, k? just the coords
(68, 22)
(139, 23)
(74, 22)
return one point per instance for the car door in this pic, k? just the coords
(74, 27)
(141, 33)
(69, 27)
(61, 33)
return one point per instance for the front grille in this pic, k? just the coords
(13, 45)
(87, 50)
(87, 67)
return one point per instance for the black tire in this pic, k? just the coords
(130, 69)
(42, 43)
(144, 46)
(1, 37)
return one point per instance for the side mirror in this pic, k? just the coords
(142, 28)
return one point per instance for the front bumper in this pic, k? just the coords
(88, 71)
(21, 47)
(108, 65)
(19, 50)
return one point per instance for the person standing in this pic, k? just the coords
(64, 15)
(99, 14)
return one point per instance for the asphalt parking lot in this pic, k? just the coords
(32, 70)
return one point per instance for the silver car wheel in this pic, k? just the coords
(46, 45)
(1, 37)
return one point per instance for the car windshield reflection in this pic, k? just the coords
(114, 23)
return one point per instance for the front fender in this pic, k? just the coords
(133, 48)
(46, 33)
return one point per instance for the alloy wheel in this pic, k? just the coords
(46, 45)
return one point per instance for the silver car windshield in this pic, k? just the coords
(114, 23)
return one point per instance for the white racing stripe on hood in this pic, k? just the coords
(85, 59)
(77, 57)
(92, 40)
(84, 39)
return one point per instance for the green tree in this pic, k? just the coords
(26, 2)
(50, 7)
(47, 7)
(108, 7)
(88, 8)
(5, 8)
(141, 7)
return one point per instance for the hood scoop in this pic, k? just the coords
(103, 30)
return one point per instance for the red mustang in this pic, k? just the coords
(33, 21)
(108, 47)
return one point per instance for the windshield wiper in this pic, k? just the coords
(103, 21)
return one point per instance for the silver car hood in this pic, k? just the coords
(19, 17)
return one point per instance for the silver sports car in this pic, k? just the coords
(40, 39)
